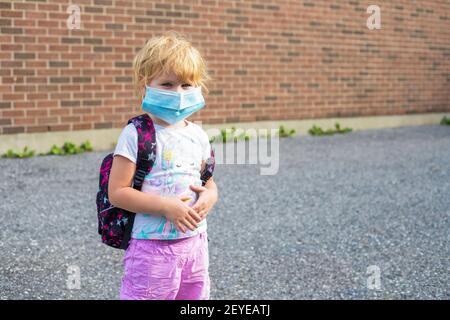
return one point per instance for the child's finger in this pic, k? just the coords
(180, 227)
(203, 214)
(192, 221)
(194, 215)
(188, 224)
(197, 188)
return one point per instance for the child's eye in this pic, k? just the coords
(168, 84)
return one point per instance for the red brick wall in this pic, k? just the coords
(270, 59)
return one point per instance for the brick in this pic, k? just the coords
(191, 15)
(173, 14)
(103, 2)
(182, 7)
(59, 127)
(257, 6)
(70, 40)
(102, 49)
(101, 125)
(225, 31)
(5, 122)
(5, 22)
(5, 105)
(163, 21)
(59, 80)
(7, 30)
(5, 5)
(34, 129)
(240, 72)
(82, 79)
(82, 126)
(58, 64)
(90, 9)
(114, 26)
(11, 14)
(70, 103)
(93, 41)
(154, 13)
(12, 130)
(123, 64)
(92, 102)
(24, 55)
(24, 121)
(232, 39)
(123, 79)
(165, 6)
(143, 20)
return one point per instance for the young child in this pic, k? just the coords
(168, 254)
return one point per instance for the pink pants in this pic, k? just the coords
(167, 269)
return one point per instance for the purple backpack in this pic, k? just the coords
(115, 224)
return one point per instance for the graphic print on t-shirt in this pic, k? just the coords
(177, 166)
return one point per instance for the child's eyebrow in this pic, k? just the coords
(173, 81)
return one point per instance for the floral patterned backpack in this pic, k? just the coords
(115, 224)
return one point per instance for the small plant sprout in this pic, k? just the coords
(318, 131)
(26, 153)
(445, 121)
(67, 149)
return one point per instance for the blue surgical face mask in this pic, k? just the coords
(172, 106)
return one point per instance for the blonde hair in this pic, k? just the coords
(170, 52)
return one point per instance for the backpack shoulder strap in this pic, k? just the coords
(146, 148)
(209, 168)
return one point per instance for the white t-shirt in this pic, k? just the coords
(179, 154)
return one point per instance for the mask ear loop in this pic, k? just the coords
(144, 88)
(144, 91)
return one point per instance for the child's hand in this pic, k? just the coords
(177, 211)
(206, 200)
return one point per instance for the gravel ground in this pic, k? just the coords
(338, 205)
